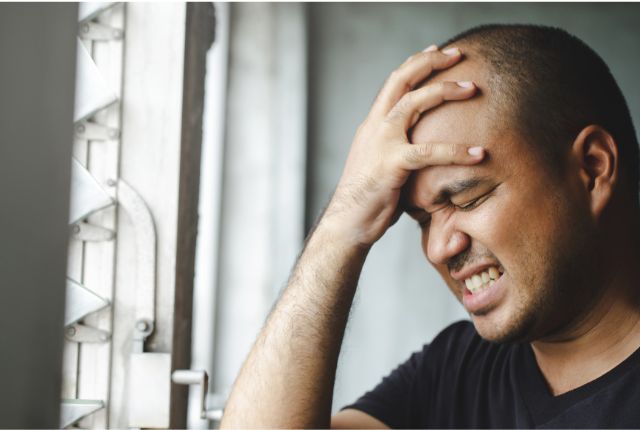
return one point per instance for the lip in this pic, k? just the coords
(486, 299)
(468, 272)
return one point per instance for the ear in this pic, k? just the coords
(597, 154)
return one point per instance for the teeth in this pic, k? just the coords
(477, 281)
(469, 284)
(483, 280)
(485, 277)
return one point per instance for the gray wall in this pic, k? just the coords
(401, 302)
(37, 47)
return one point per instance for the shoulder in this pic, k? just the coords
(424, 390)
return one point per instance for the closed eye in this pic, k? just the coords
(473, 203)
(469, 206)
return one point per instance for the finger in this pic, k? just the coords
(407, 111)
(413, 71)
(414, 157)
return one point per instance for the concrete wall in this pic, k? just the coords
(401, 302)
(263, 176)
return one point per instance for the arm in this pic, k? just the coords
(355, 419)
(287, 379)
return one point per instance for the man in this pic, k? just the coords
(514, 150)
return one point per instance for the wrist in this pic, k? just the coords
(333, 234)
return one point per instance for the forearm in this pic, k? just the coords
(288, 378)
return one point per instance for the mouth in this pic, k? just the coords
(484, 289)
(484, 280)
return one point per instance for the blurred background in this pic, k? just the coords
(201, 143)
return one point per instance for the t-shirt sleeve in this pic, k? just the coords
(391, 400)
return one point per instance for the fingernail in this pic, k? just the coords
(475, 151)
(451, 51)
(431, 48)
(465, 84)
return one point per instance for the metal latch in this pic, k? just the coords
(85, 334)
(95, 31)
(198, 377)
(91, 233)
(90, 130)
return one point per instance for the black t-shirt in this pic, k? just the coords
(463, 381)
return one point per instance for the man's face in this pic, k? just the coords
(507, 217)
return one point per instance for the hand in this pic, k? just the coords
(381, 158)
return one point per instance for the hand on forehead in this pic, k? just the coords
(459, 122)
(472, 122)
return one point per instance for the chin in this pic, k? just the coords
(503, 327)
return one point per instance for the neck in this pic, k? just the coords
(603, 337)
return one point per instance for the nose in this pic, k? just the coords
(445, 241)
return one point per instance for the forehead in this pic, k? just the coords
(470, 121)
(478, 121)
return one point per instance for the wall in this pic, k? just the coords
(401, 302)
(262, 194)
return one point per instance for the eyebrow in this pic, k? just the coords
(450, 190)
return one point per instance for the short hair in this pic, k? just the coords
(555, 85)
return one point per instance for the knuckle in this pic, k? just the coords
(391, 121)
(427, 150)
(427, 56)
(411, 157)
(441, 90)
(400, 110)
(398, 78)
(435, 90)
(434, 56)
(453, 151)
(406, 102)
(421, 152)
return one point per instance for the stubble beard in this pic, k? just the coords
(551, 305)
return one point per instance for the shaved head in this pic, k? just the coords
(549, 85)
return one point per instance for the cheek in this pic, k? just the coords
(491, 225)
(520, 228)
(505, 225)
